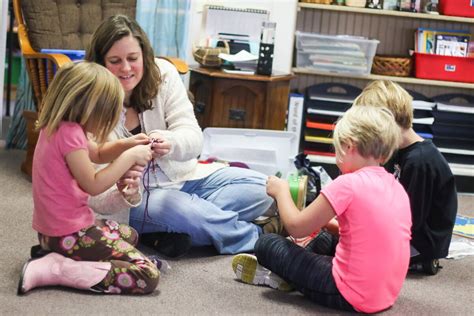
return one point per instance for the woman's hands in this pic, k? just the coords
(160, 147)
(129, 183)
(275, 186)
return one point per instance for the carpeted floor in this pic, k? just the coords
(200, 283)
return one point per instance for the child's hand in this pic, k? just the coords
(141, 154)
(276, 185)
(139, 139)
(160, 146)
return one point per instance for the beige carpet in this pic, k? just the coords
(202, 283)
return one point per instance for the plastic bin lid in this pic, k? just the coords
(267, 151)
(71, 53)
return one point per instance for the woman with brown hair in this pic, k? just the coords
(212, 203)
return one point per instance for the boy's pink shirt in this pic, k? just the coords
(60, 205)
(373, 252)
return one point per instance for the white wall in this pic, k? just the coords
(283, 12)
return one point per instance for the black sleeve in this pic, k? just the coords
(447, 204)
(418, 182)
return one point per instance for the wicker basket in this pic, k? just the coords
(208, 56)
(392, 66)
(317, 1)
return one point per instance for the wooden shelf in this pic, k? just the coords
(409, 80)
(456, 169)
(413, 15)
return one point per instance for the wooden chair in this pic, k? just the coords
(55, 24)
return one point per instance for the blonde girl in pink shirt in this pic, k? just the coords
(84, 99)
(362, 269)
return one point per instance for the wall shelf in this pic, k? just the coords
(409, 80)
(386, 12)
(457, 169)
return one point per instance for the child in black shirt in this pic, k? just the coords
(423, 172)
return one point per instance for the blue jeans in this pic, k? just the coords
(308, 271)
(216, 210)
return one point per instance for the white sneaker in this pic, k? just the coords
(247, 269)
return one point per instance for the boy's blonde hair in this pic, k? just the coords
(85, 93)
(389, 94)
(372, 130)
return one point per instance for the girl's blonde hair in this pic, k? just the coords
(372, 130)
(389, 94)
(85, 93)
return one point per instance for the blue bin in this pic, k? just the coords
(72, 54)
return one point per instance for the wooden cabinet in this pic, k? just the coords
(239, 101)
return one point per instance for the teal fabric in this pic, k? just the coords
(16, 136)
(166, 24)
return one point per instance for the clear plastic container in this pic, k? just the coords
(335, 53)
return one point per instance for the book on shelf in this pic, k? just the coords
(451, 45)
(442, 42)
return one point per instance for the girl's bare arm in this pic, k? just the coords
(94, 182)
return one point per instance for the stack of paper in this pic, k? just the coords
(243, 62)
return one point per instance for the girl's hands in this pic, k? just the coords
(160, 147)
(141, 154)
(139, 139)
(276, 185)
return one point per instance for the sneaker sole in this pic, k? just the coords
(247, 269)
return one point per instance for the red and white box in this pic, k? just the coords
(457, 7)
(447, 68)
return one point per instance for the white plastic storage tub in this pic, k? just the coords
(335, 53)
(267, 151)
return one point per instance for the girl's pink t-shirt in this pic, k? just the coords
(60, 205)
(373, 252)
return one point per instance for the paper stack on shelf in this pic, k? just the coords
(323, 108)
(423, 118)
(453, 132)
(243, 62)
(335, 53)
